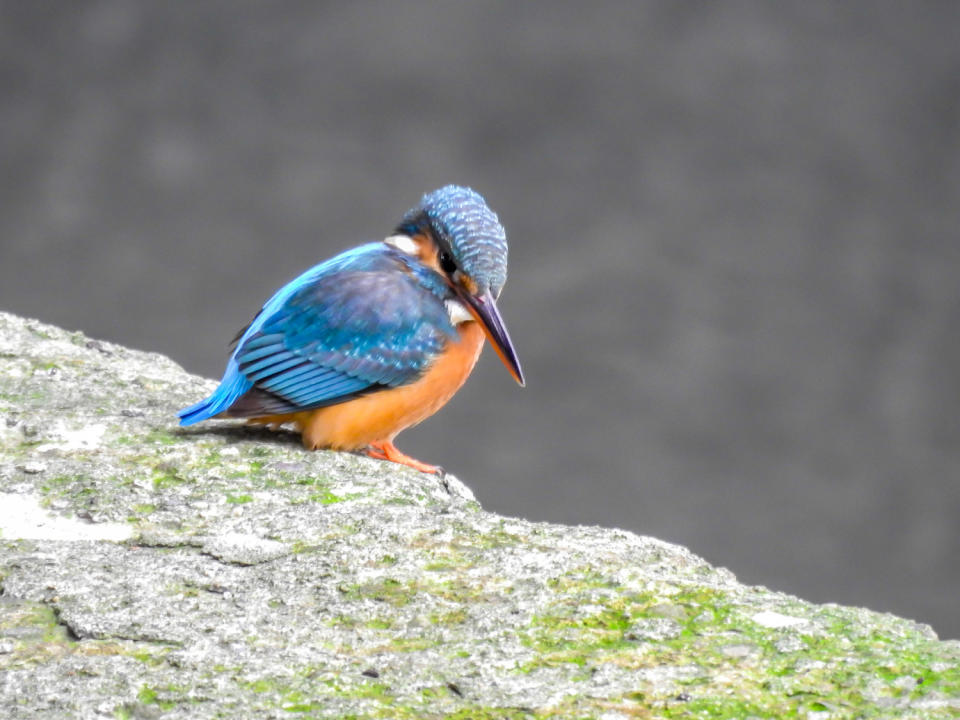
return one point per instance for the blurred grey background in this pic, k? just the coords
(734, 226)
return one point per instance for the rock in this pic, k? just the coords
(223, 571)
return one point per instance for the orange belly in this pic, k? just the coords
(380, 416)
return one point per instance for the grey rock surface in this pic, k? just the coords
(733, 230)
(224, 572)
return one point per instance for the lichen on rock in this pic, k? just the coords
(224, 572)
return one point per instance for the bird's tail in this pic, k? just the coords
(231, 388)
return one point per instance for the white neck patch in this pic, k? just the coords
(404, 243)
(457, 312)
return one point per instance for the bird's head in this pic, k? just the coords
(455, 233)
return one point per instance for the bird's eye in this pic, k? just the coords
(446, 262)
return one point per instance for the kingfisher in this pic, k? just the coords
(377, 338)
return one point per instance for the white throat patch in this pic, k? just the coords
(403, 243)
(457, 312)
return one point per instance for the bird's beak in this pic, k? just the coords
(484, 308)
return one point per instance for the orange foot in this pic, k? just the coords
(386, 450)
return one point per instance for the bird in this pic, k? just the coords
(378, 338)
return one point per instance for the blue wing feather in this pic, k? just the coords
(361, 321)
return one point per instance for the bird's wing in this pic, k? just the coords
(338, 335)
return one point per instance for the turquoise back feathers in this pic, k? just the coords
(370, 318)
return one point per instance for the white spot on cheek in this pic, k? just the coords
(457, 312)
(404, 243)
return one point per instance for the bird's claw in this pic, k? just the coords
(385, 450)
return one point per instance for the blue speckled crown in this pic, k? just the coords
(462, 218)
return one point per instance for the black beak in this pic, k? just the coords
(484, 309)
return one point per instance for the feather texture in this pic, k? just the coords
(367, 319)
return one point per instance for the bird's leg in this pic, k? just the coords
(386, 450)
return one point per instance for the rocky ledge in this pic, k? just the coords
(223, 572)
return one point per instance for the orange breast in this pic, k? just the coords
(380, 416)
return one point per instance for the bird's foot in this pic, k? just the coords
(386, 450)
